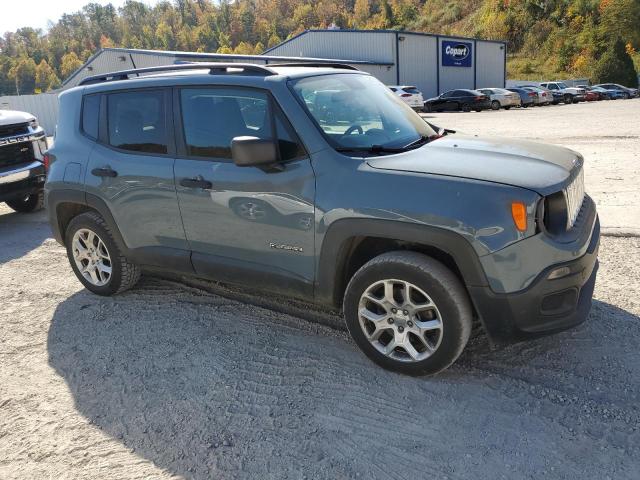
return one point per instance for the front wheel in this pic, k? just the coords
(408, 312)
(28, 203)
(95, 257)
(465, 107)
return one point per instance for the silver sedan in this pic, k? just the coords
(502, 98)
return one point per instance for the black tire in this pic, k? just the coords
(124, 274)
(507, 108)
(465, 107)
(444, 288)
(29, 203)
(495, 105)
(427, 108)
(525, 105)
(626, 96)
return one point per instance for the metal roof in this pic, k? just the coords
(216, 57)
(403, 32)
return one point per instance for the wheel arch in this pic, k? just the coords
(350, 243)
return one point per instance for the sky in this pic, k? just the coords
(15, 14)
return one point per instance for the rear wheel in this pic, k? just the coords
(408, 313)
(507, 108)
(28, 203)
(95, 257)
(495, 105)
(465, 107)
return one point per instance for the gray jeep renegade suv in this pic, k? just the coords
(316, 182)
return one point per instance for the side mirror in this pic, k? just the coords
(253, 151)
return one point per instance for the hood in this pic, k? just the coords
(9, 117)
(521, 163)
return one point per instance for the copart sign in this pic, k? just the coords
(456, 54)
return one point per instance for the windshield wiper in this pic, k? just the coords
(417, 143)
(371, 149)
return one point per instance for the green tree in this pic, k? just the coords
(45, 77)
(69, 64)
(23, 75)
(616, 66)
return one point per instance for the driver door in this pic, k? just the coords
(245, 225)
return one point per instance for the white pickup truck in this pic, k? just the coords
(570, 94)
(23, 144)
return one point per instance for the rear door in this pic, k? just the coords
(247, 225)
(131, 170)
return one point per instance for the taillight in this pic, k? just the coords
(46, 160)
(478, 99)
(532, 94)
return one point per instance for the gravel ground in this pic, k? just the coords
(169, 381)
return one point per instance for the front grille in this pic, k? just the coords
(16, 153)
(15, 129)
(574, 196)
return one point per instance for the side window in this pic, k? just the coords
(91, 115)
(136, 121)
(211, 119)
(288, 142)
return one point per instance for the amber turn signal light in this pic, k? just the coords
(519, 214)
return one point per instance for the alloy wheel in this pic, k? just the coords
(91, 257)
(400, 320)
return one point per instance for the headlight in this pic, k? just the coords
(34, 123)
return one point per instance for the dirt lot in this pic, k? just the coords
(172, 381)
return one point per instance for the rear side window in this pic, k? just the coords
(91, 115)
(136, 121)
(211, 119)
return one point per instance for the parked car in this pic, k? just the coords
(569, 94)
(602, 93)
(626, 91)
(416, 232)
(527, 97)
(456, 100)
(23, 144)
(409, 95)
(543, 97)
(501, 98)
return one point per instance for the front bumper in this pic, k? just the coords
(545, 306)
(20, 180)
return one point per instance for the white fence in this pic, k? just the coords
(43, 106)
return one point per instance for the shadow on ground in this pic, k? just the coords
(207, 387)
(21, 232)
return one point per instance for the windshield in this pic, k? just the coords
(357, 112)
(562, 85)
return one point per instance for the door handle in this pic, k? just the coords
(197, 182)
(104, 172)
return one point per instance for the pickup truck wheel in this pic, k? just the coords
(408, 313)
(95, 257)
(28, 203)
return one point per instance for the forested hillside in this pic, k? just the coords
(546, 38)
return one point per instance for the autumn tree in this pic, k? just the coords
(45, 77)
(69, 64)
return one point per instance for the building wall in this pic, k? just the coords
(416, 58)
(490, 64)
(43, 106)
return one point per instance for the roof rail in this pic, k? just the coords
(313, 64)
(213, 67)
